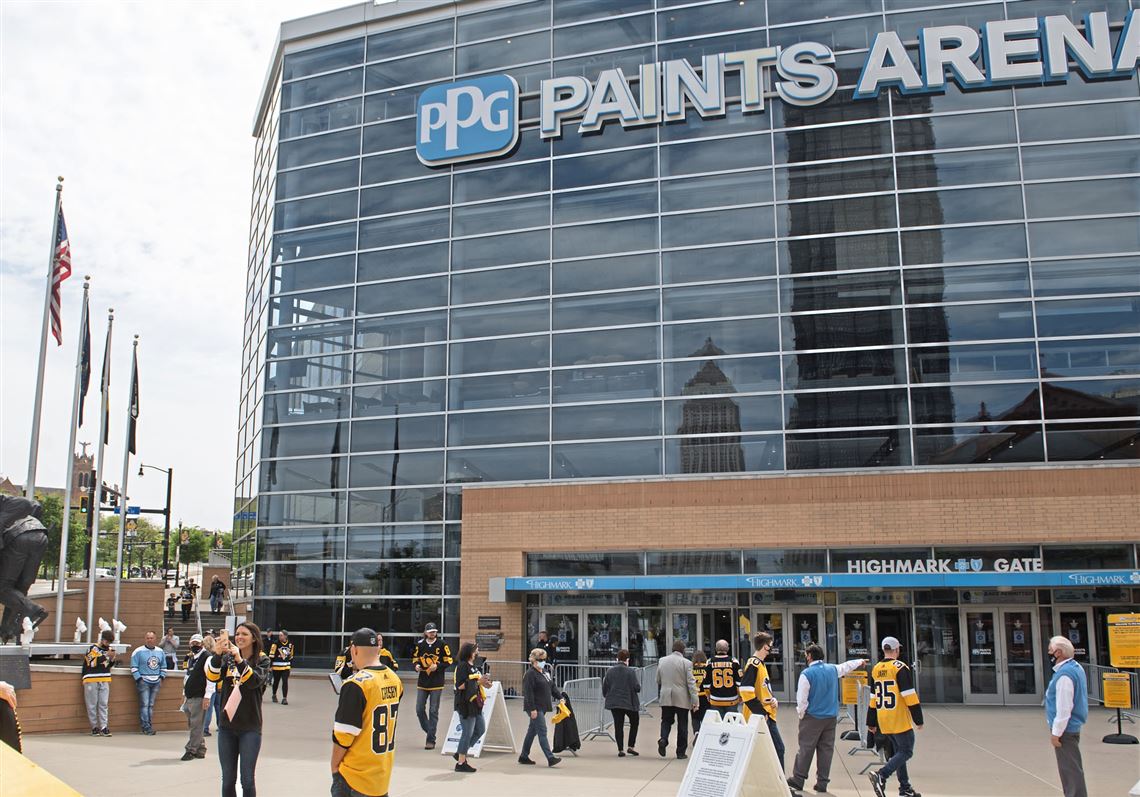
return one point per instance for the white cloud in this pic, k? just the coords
(146, 109)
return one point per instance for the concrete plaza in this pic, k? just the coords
(962, 752)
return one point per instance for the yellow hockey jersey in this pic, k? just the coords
(755, 688)
(365, 724)
(894, 701)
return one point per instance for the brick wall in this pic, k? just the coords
(55, 704)
(140, 608)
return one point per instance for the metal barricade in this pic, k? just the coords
(648, 676)
(1096, 690)
(589, 707)
(571, 671)
(864, 745)
(510, 673)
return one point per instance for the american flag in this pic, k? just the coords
(61, 270)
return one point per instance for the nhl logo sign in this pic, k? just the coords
(723, 740)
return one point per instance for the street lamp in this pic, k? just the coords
(165, 513)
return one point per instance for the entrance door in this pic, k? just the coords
(1002, 656)
(1076, 624)
(563, 627)
(605, 635)
(858, 634)
(686, 626)
(792, 631)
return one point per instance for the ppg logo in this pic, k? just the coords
(476, 118)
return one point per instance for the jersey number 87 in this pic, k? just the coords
(384, 728)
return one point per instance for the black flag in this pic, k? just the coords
(105, 387)
(134, 402)
(84, 363)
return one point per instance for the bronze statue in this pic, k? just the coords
(22, 543)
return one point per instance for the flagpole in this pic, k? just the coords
(66, 523)
(128, 434)
(105, 390)
(34, 450)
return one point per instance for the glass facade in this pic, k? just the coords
(909, 281)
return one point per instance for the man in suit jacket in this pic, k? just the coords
(677, 694)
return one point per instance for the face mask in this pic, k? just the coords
(195, 648)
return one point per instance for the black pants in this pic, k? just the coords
(185, 612)
(681, 715)
(699, 713)
(281, 677)
(18, 567)
(620, 715)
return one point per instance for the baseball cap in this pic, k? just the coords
(365, 638)
(890, 643)
(430, 627)
(196, 638)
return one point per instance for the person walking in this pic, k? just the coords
(432, 657)
(817, 704)
(621, 689)
(97, 666)
(240, 670)
(677, 694)
(700, 667)
(756, 691)
(471, 684)
(214, 708)
(148, 670)
(195, 700)
(171, 600)
(539, 694)
(281, 662)
(895, 713)
(550, 646)
(722, 680)
(1066, 711)
(186, 600)
(169, 645)
(217, 595)
(364, 728)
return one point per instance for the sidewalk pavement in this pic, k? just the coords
(962, 752)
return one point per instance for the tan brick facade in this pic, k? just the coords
(1030, 505)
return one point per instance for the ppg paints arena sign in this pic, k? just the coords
(478, 118)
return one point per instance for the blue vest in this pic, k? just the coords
(823, 698)
(1072, 671)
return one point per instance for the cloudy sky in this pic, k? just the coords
(146, 109)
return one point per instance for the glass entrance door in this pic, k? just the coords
(773, 622)
(604, 635)
(792, 631)
(1076, 625)
(686, 626)
(563, 627)
(858, 640)
(938, 652)
(586, 635)
(1003, 656)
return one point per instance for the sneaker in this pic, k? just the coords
(465, 767)
(878, 784)
(820, 787)
(429, 745)
(795, 787)
(908, 791)
(187, 756)
(95, 732)
(284, 701)
(621, 753)
(200, 755)
(207, 732)
(553, 761)
(661, 745)
(681, 756)
(632, 752)
(275, 698)
(105, 732)
(525, 761)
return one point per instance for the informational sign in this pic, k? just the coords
(488, 642)
(499, 736)
(1124, 640)
(1117, 693)
(490, 622)
(131, 510)
(732, 758)
(851, 684)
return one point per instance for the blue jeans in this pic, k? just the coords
(473, 729)
(237, 750)
(537, 728)
(777, 740)
(901, 748)
(427, 711)
(148, 693)
(340, 788)
(215, 709)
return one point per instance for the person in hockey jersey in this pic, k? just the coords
(432, 657)
(756, 691)
(895, 713)
(342, 666)
(97, 666)
(281, 663)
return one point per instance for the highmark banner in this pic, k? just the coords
(478, 117)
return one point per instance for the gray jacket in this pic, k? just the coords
(675, 682)
(620, 688)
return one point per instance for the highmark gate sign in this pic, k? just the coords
(478, 118)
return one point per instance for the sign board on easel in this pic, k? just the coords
(733, 758)
(1124, 640)
(499, 737)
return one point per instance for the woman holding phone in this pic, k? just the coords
(241, 670)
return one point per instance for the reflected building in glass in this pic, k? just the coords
(918, 282)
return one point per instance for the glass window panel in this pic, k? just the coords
(720, 226)
(728, 454)
(605, 203)
(584, 563)
(299, 308)
(411, 261)
(517, 17)
(401, 330)
(786, 560)
(973, 363)
(1093, 121)
(666, 563)
(717, 155)
(1087, 198)
(319, 89)
(322, 59)
(391, 104)
(1088, 316)
(1118, 275)
(610, 136)
(951, 100)
(1079, 160)
(968, 445)
(329, 147)
(725, 337)
(503, 52)
(321, 118)
(527, 178)
(848, 34)
(970, 322)
(525, 463)
(403, 229)
(711, 376)
(453, 541)
(845, 369)
(596, 460)
(390, 297)
(495, 216)
(963, 244)
(605, 273)
(696, 126)
(501, 250)
(947, 132)
(414, 69)
(829, 179)
(300, 579)
(711, 301)
(389, 434)
(411, 40)
(617, 167)
(717, 190)
(714, 18)
(607, 383)
(292, 510)
(850, 449)
(500, 390)
(602, 238)
(567, 11)
(961, 206)
(836, 215)
(996, 404)
(389, 135)
(956, 168)
(843, 330)
(393, 166)
(500, 319)
(418, 541)
(313, 243)
(726, 262)
(384, 470)
(493, 428)
(965, 283)
(724, 415)
(509, 283)
(308, 372)
(314, 274)
(1088, 236)
(908, 25)
(826, 143)
(830, 292)
(409, 196)
(590, 66)
(503, 354)
(410, 363)
(317, 180)
(391, 617)
(607, 421)
(1111, 357)
(299, 441)
(605, 35)
(1098, 398)
(780, 13)
(294, 475)
(606, 310)
(394, 578)
(839, 254)
(398, 397)
(590, 348)
(848, 408)
(1082, 441)
(317, 339)
(295, 544)
(1084, 556)
(316, 210)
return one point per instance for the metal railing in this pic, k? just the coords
(588, 705)
(864, 744)
(649, 691)
(1096, 691)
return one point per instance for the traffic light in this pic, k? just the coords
(104, 494)
(83, 505)
(114, 498)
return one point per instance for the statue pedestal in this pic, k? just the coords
(15, 660)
